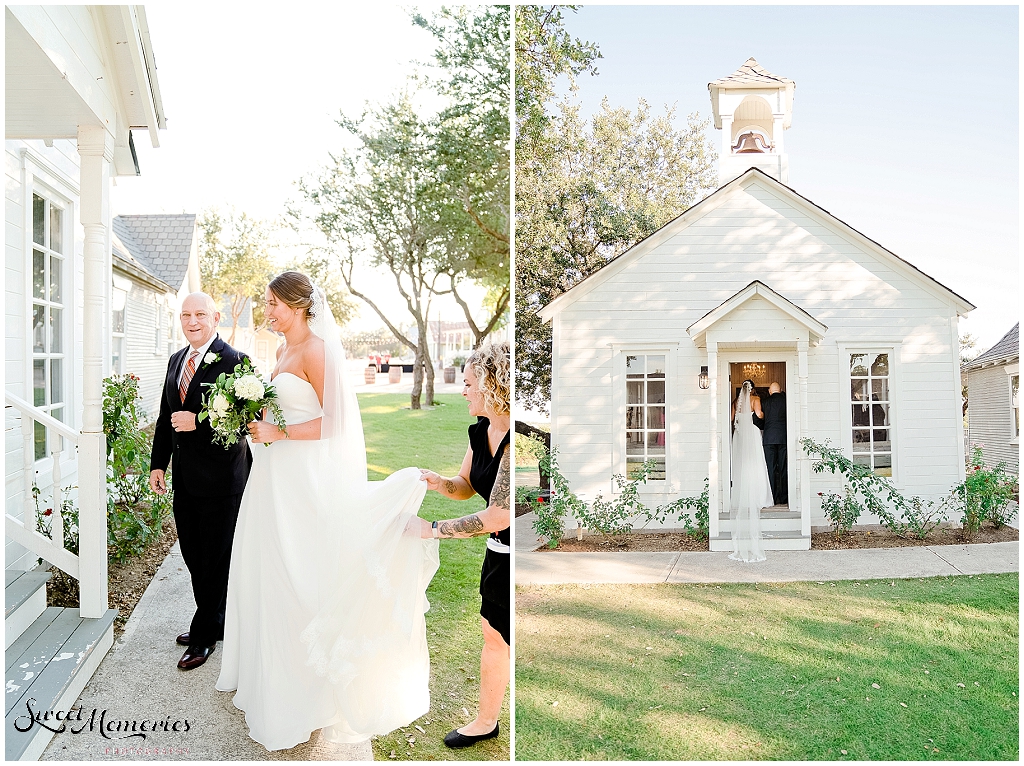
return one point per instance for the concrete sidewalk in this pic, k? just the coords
(139, 681)
(533, 567)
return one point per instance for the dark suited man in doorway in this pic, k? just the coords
(208, 479)
(773, 438)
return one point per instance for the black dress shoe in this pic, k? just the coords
(454, 739)
(183, 639)
(195, 656)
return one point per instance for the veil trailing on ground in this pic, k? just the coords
(368, 638)
(751, 490)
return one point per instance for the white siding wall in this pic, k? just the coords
(991, 417)
(750, 235)
(146, 310)
(54, 170)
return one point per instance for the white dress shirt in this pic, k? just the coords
(199, 359)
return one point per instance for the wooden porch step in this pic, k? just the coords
(47, 667)
(24, 601)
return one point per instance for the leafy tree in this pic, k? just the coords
(590, 192)
(234, 260)
(471, 143)
(381, 202)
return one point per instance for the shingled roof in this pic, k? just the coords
(158, 244)
(1006, 350)
(751, 74)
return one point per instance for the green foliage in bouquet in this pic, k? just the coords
(233, 401)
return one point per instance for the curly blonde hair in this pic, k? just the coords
(491, 364)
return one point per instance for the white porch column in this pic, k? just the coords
(804, 474)
(96, 149)
(713, 509)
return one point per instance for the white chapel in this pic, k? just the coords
(756, 281)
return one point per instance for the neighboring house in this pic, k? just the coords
(756, 281)
(259, 343)
(155, 265)
(993, 410)
(78, 81)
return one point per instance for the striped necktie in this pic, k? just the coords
(190, 370)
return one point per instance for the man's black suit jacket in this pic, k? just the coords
(199, 466)
(774, 421)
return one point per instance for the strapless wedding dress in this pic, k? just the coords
(326, 595)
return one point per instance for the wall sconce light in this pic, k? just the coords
(702, 379)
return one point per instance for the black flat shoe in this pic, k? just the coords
(454, 739)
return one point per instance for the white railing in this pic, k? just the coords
(23, 531)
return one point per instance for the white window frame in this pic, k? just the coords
(172, 339)
(621, 351)
(1013, 371)
(125, 285)
(894, 350)
(65, 258)
(159, 334)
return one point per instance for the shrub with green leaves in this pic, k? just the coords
(985, 494)
(135, 514)
(550, 521)
(865, 490)
(697, 524)
(622, 514)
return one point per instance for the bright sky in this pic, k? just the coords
(251, 94)
(905, 119)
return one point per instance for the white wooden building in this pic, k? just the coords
(155, 265)
(756, 281)
(993, 414)
(78, 81)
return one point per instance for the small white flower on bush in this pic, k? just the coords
(249, 387)
(210, 358)
(220, 405)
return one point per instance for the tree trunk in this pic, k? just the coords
(429, 369)
(417, 379)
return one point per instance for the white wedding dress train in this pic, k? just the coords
(751, 488)
(326, 594)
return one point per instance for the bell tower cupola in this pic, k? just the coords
(752, 107)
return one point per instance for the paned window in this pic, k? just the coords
(871, 405)
(1015, 404)
(645, 414)
(49, 336)
(118, 307)
(172, 343)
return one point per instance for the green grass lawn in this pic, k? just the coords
(881, 669)
(397, 437)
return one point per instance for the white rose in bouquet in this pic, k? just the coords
(220, 405)
(249, 387)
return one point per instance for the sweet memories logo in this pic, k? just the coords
(75, 721)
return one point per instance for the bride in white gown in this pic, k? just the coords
(325, 620)
(751, 490)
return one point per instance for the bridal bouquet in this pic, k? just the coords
(233, 401)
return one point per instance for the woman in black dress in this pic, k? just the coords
(485, 472)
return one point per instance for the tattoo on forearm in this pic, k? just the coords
(449, 486)
(467, 526)
(500, 492)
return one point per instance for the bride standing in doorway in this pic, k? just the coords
(751, 489)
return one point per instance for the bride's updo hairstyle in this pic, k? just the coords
(295, 290)
(491, 364)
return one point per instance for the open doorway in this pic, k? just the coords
(763, 375)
